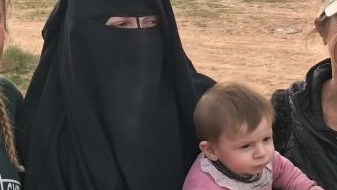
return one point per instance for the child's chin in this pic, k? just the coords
(257, 170)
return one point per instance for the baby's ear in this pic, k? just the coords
(209, 150)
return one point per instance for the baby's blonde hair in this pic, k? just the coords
(227, 107)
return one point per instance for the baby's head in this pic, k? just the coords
(234, 125)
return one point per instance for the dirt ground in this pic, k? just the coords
(262, 44)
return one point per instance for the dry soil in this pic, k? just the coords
(262, 44)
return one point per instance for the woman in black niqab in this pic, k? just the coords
(108, 107)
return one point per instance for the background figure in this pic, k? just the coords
(110, 105)
(305, 129)
(10, 101)
(234, 124)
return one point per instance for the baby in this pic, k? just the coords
(234, 124)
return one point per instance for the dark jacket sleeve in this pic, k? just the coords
(12, 98)
(281, 125)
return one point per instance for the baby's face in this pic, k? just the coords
(247, 152)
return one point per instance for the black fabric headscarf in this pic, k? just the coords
(110, 108)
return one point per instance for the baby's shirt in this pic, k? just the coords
(288, 176)
(280, 173)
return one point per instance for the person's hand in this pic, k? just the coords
(316, 188)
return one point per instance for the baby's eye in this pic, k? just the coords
(267, 139)
(246, 146)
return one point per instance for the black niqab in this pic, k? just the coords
(109, 108)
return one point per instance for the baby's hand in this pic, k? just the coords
(316, 188)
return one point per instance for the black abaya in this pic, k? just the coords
(110, 108)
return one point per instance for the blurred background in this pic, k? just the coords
(265, 43)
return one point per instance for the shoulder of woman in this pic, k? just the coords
(8, 87)
(12, 96)
(280, 97)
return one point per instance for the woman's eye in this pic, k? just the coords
(131, 22)
(148, 21)
(151, 23)
(122, 22)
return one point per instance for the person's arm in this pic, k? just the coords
(12, 98)
(288, 176)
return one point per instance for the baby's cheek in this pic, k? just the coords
(272, 152)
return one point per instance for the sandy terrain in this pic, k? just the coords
(263, 44)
